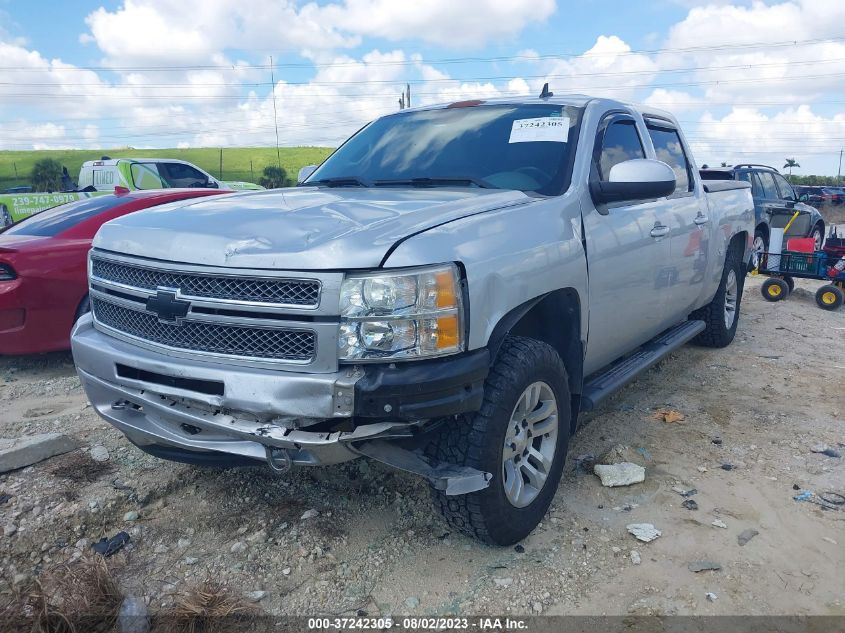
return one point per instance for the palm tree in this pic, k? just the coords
(790, 163)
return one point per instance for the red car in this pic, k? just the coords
(44, 269)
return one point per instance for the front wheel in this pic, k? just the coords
(520, 435)
(829, 297)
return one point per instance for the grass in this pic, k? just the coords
(239, 163)
(79, 597)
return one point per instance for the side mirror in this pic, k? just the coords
(637, 179)
(212, 184)
(305, 172)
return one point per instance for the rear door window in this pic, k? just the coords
(621, 142)
(770, 190)
(669, 149)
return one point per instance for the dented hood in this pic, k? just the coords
(306, 228)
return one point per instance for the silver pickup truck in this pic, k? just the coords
(444, 294)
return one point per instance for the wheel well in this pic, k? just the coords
(739, 242)
(555, 319)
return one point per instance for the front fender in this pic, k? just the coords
(511, 256)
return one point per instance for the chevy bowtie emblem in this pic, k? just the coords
(167, 307)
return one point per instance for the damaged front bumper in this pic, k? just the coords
(197, 412)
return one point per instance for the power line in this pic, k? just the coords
(454, 60)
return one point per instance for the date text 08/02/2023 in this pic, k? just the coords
(418, 624)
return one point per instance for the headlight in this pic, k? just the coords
(406, 314)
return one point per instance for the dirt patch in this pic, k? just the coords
(78, 467)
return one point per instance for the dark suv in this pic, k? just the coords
(775, 202)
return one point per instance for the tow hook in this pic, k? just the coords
(278, 459)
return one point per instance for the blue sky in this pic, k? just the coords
(162, 73)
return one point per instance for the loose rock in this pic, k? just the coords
(310, 514)
(622, 474)
(703, 565)
(132, 515)
(690, 504)
(503, 582)
(238, 547)
(719, 524)
(635, 557)
(746, 535)
(412, 602)
(133, 617)
(620, 454)
(99, 453)
(712, 597)
(645, 532)
(255, 596)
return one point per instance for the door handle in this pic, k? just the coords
(659, 230)
(701, 219)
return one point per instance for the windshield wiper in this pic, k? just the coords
(340, 181)
(434, 182)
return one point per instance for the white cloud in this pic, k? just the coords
(608, 68)
(189, 31)
(749, 135)
(744, 51)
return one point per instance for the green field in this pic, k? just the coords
(240, 163)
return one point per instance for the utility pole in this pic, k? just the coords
(839, 173)
(275, 116)
(221, 163)
(405, 98)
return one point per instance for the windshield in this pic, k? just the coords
(521, 147)
(53, 221)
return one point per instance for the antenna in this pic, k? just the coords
(275, 118)
(546, 94)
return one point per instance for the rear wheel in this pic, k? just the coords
(5, 216)
(789, 282)
(818, 237)
(774, 289)
(758, 247)
(520, 435)
(829, 297)
(722, 314)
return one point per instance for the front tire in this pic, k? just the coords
(520, 435)
(721, 315)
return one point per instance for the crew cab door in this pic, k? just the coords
(686, 213)
(627, 254)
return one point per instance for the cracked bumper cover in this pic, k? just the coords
(155, 403)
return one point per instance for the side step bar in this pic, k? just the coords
(600, 386)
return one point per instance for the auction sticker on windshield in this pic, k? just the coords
(546, 128)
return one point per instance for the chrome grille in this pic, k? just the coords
(232, 340)
(292, 292)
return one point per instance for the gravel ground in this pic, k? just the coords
(375, 544)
